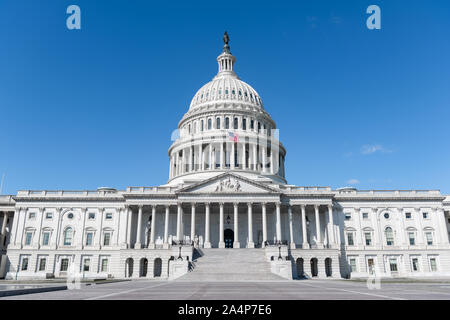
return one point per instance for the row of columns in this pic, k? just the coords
(257, 158)
(236, 244)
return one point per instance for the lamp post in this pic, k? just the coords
(179, 253)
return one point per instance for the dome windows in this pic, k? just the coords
(233, 92)
(201, 125)
(227, 123)
(235, 123)
(217, 123)
(226, 91)
(209, 124)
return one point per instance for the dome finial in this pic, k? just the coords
(226, 39)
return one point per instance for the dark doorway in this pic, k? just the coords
(300, 272)
(228, 236)
(314, 269)
(157, 267)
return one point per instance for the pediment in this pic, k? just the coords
(228, 183)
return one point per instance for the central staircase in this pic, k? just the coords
(229, 265)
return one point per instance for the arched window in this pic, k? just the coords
(68, 236)
(235, 123)
(389, 236)
(209, 124)
(157, 268)
(201, 125)
(244, 124)
(189, 128)
(227, 123)
(217, 123)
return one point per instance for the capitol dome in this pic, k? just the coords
(226, 129)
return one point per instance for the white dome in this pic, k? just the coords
(227, 88)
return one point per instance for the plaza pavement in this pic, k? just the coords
(247, 290)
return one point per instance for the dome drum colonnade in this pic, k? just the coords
(225, 128)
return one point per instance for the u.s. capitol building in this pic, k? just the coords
(226, 212)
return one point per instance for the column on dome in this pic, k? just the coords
(305, 244)
(3, 231)
(243, 155)
(177, 167)
(232, 156)
(250, 243)
(221, 229)
(272, 161)
(236, 243)
(202, 157)
(207, 243)
(210, 160)
(189, 162)
(264, 223)
(264, 157)
(221, 155)
(255, 157)
(317, 218)
(138, 244)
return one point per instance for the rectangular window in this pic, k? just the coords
(86, 264)
(412, 239)
(48, 215)
(433, 265)
(415, 264)
(252, 124)
(429, 237)
(31, 215)
(104, 267)
(89, 237)
(46, 238)
(425, 215)
(348, 216)
(24, 264)
(28, 237)
(350, 238)
(108, 216)
(244, 124)
(365, 215)
(393, 264)
(106, 239)
(408, 215)
(368, 237)
(42, 263)
(91, 216)
(353, 265)
(64, 265)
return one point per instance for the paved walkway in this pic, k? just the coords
(260, 290)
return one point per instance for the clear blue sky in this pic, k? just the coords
(96, 107)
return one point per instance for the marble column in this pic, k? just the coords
(243, 156)
(221, 155)
(207, 243)
(129, 220)
(332, 240)
(250, 243)
(291, 228)
(221, 240)
(264, 223)
(232, 158)
(305, 244)
(192, 221)
(236, 243)
(152, 227)
(166, 227)
(3, 231)
(278, 222)
(317, 218)
(138, 244)
(179, 221)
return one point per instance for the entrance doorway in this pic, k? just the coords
(228, 237)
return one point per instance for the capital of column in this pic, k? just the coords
(207, 204)
(250, 204)
(316, 207)
(193, 204)
(400, 210)
(221, 204)
(83, 210)
(277, 204)
(357, 209)
(140, 206)
(417, 210)
(235, 204)
(330, 207)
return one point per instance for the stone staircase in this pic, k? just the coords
(229, 265)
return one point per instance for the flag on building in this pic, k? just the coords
(233, 137)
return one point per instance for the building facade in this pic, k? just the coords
(227, 188)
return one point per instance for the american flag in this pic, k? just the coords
(233, 137)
